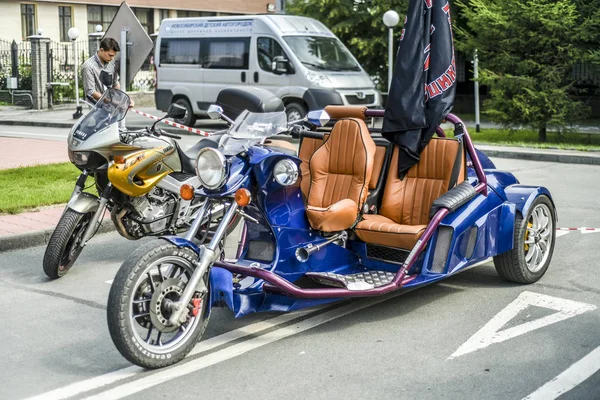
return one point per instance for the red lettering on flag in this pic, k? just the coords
(429, 3)
(433, 90)
(451, 72)
(444, 81)
(426, 65)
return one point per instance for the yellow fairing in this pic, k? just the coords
(141, 171)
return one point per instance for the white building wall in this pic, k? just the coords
(47, 20)
(10, 28)
(80, 20)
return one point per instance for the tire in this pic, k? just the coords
(64, 245)
(295, 111)
(189, 119)
(133, 280)
(537, 229)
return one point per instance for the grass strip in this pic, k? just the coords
(529, 138)
(41, 185)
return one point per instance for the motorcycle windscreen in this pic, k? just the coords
(110, 109)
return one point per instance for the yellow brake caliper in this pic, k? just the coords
(529, 225)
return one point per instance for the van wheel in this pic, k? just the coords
(295, 111)
(189, 119)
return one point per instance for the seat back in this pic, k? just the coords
(341, 168)
(441, 167)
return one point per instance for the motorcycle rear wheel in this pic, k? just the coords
(137, 310)
(64, 245)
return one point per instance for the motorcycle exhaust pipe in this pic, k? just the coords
(303, 253)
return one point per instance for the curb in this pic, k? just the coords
(39, 238)
(540, 156)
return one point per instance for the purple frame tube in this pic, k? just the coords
(279, 284)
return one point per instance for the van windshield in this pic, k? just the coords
(322, 53)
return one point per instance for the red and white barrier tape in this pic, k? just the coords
(579, 229)
(175, 124)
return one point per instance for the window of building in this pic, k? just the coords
(65, 21)
(100, 15)
(28, 20)
(180, 51)
(146, 18)
(189, 14)
(267, 49)
(226, 53)
(162, 14)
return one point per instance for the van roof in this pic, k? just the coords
(284, 24)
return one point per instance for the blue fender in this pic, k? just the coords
(220, 280)
(524, 195)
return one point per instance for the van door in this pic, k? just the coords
(225, 62)
(265, 49)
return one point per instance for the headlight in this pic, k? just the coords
(286, 172)
(79, 157)
(318, 79)
(211, 168)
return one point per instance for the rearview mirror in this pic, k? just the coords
(106, 78)
(176, 111)
(215, 112)
(318, 117)
(280, 65)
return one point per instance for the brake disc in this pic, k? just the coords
(166, 293)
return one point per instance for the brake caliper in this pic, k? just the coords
(197, 304)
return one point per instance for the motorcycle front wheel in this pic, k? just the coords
(64, 245)
(138, 310)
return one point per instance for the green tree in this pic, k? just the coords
(359, 25)
(527, 49)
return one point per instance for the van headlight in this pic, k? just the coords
(211, 168)
(286, 172)
(318, 79)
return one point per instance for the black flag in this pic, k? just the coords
(424, 81)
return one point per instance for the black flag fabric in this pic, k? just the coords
(424, 80)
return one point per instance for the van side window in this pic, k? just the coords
(180, 51)
(226, 53)
(267, 49)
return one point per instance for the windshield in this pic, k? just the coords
(322, 53)
(110, 108)
(252, 128)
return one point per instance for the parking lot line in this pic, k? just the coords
(87, 385)
(185, 368)
(570, 378)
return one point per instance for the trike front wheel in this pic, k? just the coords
(147, 283)
(533, 246)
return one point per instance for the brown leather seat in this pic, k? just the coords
(340, 171)
(404, 212)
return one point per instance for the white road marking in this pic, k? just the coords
(561, 233)
(84, 386)
(185, 368)
(571, 377)
(492, 333)
(110, 281)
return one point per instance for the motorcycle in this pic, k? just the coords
(334, 223)
(138, 177)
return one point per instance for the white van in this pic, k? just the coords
(296, 58)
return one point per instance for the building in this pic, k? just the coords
(24, 18)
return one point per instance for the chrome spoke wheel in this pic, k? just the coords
(538, 237)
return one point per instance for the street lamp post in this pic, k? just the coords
(390, 19)
(73, 34)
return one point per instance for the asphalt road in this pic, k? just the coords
(473, 336)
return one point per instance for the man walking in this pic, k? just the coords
(102, 60)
